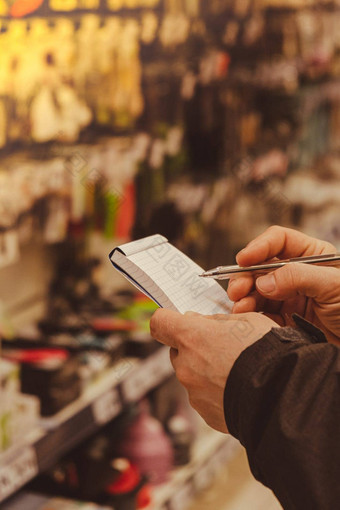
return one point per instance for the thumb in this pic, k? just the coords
(296, 279)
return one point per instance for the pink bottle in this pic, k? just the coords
(146, 444)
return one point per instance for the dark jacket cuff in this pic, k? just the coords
(263, 356)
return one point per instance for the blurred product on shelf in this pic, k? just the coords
(128, 491)
(116, 466)
(49, 374)
(142, 479)
(72, 191)
(212, 451)
(61, 357)
(139, 342)
(83, 475)
(181, 435)
(223, 105)
(146, 444)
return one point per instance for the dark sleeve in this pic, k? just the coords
(282, 401)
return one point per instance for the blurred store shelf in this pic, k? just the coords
(211, 452)
(234, 488)
(31, 501)
(128, 381)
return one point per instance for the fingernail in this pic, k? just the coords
(266, 284)
(251, 246)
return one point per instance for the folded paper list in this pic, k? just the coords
(169, 277)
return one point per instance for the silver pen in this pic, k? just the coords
(225, 272)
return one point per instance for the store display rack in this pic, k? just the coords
(211, 451)
(127, 382)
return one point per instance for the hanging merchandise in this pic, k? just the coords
(175, 25)
(108, 40)
(73, 5)
(128, 101)
(149, 27)
(15, 85)
(117, 5)
(44, 128)
(56, 111)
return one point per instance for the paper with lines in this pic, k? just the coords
(169, 277)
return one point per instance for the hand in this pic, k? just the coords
(311, 291)
(203, 351)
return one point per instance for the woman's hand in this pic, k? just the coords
(309, 290)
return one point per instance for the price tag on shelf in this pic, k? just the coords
(182, 498)
(72, 5)
(106, 407)
(205, 474)
(88, 4)
(14, 474)
(147, 376)
(225, 453)
(203, 477)
(116, 5)
(63, 5)
(9, 248)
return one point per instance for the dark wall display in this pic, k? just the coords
(104, 105)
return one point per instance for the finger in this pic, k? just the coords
(254, 302)
(245, 305)
(167, 326)
(239, 288)
(283, 243)
(320, 283)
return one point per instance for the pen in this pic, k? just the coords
(225, 272)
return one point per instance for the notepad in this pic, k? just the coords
(169, 277)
